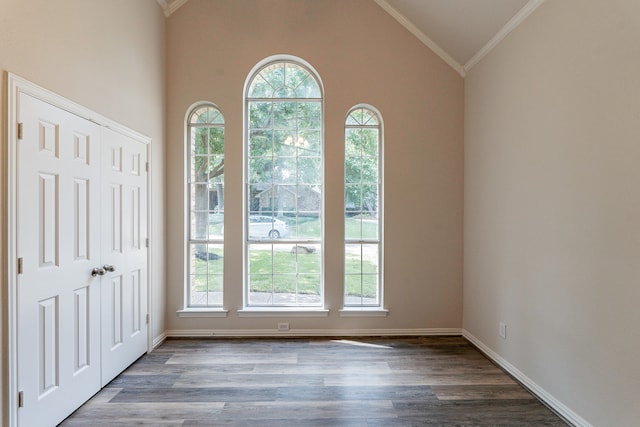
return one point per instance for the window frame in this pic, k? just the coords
(250, 309)
(354, 309)
(190, 309)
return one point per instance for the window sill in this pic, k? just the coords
(283, 312)
(364, 312)
(202, 312)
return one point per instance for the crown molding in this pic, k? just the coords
(170, 6)
(513, 23)
(422, 37)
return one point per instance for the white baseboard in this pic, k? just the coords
(534, 388)
(159, 340)
(196, 333)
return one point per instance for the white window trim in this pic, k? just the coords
(202, 312)
(188, 310)
(353, 311)
(279, 310)
(380, 309)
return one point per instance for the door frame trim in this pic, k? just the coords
(15, 86)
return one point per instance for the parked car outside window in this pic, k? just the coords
(262, 226)
(265, 227)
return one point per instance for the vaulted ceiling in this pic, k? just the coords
(461, 32)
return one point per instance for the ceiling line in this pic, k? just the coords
(169, 6)
(422, 37)
(513, 23)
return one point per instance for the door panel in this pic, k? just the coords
(58, 240)
(81, 206)
(124, 296)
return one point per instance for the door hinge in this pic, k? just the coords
(147, 317)
(20, 265)
(20, 399)
(146, 166)
(146, 242)
(20, 128)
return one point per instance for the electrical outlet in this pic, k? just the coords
(284, 326)
(502, 330)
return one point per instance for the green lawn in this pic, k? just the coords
(207, 275)
(309, 227)
(286, 272)
(360, 228)
(296, 273)
(354, 227)
(216, 222)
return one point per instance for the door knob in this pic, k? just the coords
(109, 268)
(97, 271)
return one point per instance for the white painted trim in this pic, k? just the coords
(15, 86)
(527, 382)
(187, 311)
(26, 87)
(11, 249)
(175, 5)
(513, 23)
(208, 312)
(159, 340)
(283, 312)
(363, 312)
(195, 333)
(150, 271)
(163, 4)
(247, 310)
(422, 37)
(188, 333)
(169, 6)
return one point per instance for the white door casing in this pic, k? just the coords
(61, 218)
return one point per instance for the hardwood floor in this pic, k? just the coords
(359, 382)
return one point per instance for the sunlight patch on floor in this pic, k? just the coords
(360, 344)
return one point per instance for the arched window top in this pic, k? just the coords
(204, 184)
(283, 173)
(363, 209)
(362, 116)
(284, 79)
(206, 114)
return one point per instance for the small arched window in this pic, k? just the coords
(363, 208)
(205, 206)
(284, 185)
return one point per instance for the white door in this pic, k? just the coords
(58, 241)
(81, 241)
(124, 230)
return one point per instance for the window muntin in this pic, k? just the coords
(284, 195)
(205, 189)
(363, 208)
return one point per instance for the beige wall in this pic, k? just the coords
(552, 204)
(550, 164)
(107, 55)
(362, 55)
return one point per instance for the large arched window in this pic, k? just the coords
(284, 185)
(205, 190)
(363, 208)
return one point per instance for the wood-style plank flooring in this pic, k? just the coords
(359, 382)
